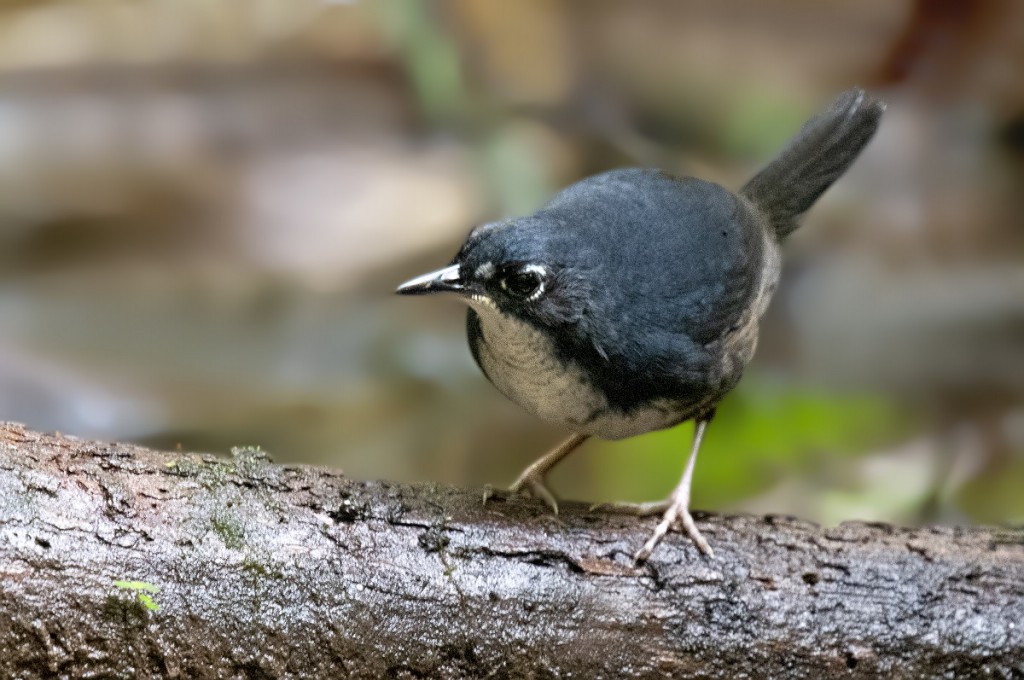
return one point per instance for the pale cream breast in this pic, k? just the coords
(522, 364)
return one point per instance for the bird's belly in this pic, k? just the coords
(523, 365)
(655, 415)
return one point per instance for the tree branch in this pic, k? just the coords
(268, 571)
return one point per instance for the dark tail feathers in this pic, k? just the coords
(815, 158)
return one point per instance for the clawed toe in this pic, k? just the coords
(678, 505)
(534, 485)
(532, 479)
(636, 509)
(529, 486)
(695, 535)
(676, 512)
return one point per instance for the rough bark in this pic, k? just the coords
(267, 571)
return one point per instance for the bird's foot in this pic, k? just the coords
(677, 512)
(532, 483)
(636, 509)
(527, 484)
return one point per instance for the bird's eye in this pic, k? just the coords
(525, 284)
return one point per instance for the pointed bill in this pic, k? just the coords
(447, 279)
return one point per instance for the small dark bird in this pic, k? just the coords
(631, 302)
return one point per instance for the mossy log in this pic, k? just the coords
(118, 561)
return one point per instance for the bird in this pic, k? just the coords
(631, 301)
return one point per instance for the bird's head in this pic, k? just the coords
(513, 268)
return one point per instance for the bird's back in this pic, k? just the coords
(676, 263)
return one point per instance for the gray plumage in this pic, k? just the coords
(631, 301)
(815, 158)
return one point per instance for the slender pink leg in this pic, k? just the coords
(679, 506)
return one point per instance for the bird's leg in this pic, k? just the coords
(532, 478)
(679, 505)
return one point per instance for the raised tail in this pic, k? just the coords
(815, 158)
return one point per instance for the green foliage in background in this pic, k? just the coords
(759, 123)
(996, 495)
(430, 57)
(763, 433)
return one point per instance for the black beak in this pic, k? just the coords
(443, 280)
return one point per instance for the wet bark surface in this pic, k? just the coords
(118, 561)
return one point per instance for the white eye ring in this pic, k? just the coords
(539, 272)
(542, 274)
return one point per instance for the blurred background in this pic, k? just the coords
(205, 206)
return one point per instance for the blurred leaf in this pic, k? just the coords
(430, 56)
(517, 160)
(996, 495)
(758, 124)
(762, 433)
